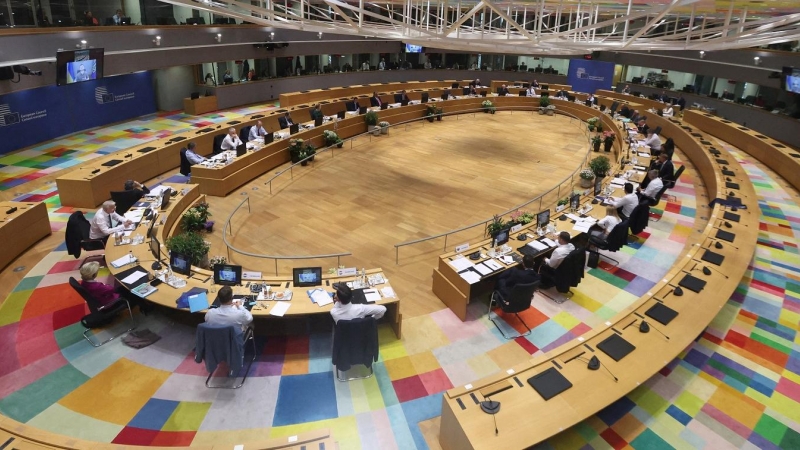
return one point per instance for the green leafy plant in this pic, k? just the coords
(563, 201)
(587, 174)
(190, 244)
(522, 217)
(544, 101)
(596, 140)
(214, 260)
(195, 218)
(384, 124)
(300, 150)
(600, 166)
(371, 118)
(495, 225)
(488, 106)
(331, 137)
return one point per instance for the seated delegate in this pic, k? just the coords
(547, 270)
(502, 90)
(653, 187)
(106, 294)
(375, 100)
(627, 203)
(607, 223)
(353, 105)
(228, 312)
(107, 221)
(231, 141)
(316, 113)
(256, 131)
(524, 274)
(133, 192)
(653, 141)
(285, 121)
(531, 92)
(343, 309)
(668, 111)
(191, 156)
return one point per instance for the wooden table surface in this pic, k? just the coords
(22, 228)
(467, 427)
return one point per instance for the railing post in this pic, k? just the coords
(248, 204)
(270, 187)
(338, 261)
(445, 242)
(276, 267)
(396, 255)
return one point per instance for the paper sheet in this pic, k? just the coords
(549, 242)
(119, 262)
(134, 277)
(134, 215)
(372, 295)
(538, 246)
(321, 297)
(470, 276)
(461, 263)
(507, 259)
(157, 191)
(280, 309)
(582, 227)
(483, 269)
(388, 292)
(492, 264)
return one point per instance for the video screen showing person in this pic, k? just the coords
(78, 71)
(227, 274)
(307, 277)
(793, 83)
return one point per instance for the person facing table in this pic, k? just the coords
(607, 223)
(531, 92)
(103, 222)
(503, 90)
(107, 294)
(627, 203)
(626, 89)
(343, 309)
(642, 125)
(231, 141)
(635, 116)
(535, 84)
(475, 83)
(523, 274)
(404, 96)
(256, 131)
(285, 121)
(192, 156)
(668, 111)
(375, 100)
(317, 112)
(653, 141)
(134, 191)
(229, 313)
(652, 188)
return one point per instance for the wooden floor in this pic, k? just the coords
(416, 182)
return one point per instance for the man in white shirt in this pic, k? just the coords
(229, 313)
(193, 157)
(365, 66)
(653, 141)
(344, 310)
(231, 141)
(256, 131)
(626, 204)
(655, 185)
(564, 248)
(531, 91)
(103, 222)
(382, 65)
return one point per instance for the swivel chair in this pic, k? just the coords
(223, 343)
(568, 274)
(671, 183)
(218, 143)
(355, 342)
(101, 315)
(186, 167)
(616, 239)
(519, 300)
(76, 238)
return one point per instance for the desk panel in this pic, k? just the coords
(21, 229)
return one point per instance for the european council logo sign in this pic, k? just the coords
(589, 76)
(7, 117)
(102, 95)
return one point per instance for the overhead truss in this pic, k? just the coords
(530, 27)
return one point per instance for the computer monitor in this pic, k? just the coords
(575, 201)
(268, 138)
(445, 94)
(500, 237)
(454, 85)
(125, 21)
(151, 229)
(465, 91)
(241, 149)
(588, 103)
(398, 98)
(543, 218)
(318, 121)
(294, 128)
(362, 110)
(307, 276)
(483, 93)
(404, 103)
(341, 114)
(155, 248)
(165, 196)
(523, 93)
(227, 274)
(180, 263)
(384, 106)
(424, 97)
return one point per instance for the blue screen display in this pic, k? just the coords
(411, 48)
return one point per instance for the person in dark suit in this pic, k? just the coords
(524, 274)
(375, 100)
(503, 90)
(133, 192)
(317, 112)
(635, 117)
(666, 169)
(285, 121)
(353, 105)
(682, 102)
(404, 96)
(625, 111)
(642, 125)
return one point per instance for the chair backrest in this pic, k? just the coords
(618, 237)
(676, 177)
(94, 305)
(520, 298)
(217, 343)
(570, 272)
(125, 199)
(350, 106)
(657, 131)
(660, 193)
(218, 143)
(355, 341)
(79, 222)
(398, 98)
(244, 133)
(186, 167)
(639, 217)
(614, 107)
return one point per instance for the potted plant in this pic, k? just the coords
(544, 103)
(600, 166)
(300, 150)
(521, 217)
(192, 245)
(371, 118)
(214, 260)
(430, 112)
(608, 140)
(596, 140)
(495, 225)
(561, 204)
(488, 106)
(439, 112)
(592, 123)
(331, 138)
(196, 218)
(586, 178)
(384, 127)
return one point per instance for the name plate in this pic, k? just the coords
(516, 228)
(462, 248)
(251, 275)
(347, 272)
(560, 208)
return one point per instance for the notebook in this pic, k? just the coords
(712, 257)
(725, 236)
(198, 302)
(111, 163)
(731, 216)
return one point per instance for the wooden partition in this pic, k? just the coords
(316, 95)
(465, 426)
(22, 224)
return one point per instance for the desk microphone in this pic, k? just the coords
(718, 244)
(707, 271)
(491, 407)
(594, 364)
(644, 327)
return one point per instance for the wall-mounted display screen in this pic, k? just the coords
(411, 48)
(79, 65)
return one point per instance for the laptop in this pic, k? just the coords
(318, 121)
(363, 110)
(341, 114)
(241, 149)
(294, 128)
(268, 138)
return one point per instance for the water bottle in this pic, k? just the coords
(130, 257)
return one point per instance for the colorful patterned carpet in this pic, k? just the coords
(738, 386)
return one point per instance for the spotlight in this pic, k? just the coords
(218, 37)
(157, 41)
(271, 36)
(81, 45)
(319, 35)
(702, 54)
(757, 61)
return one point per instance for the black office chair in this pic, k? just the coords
(568, 274)
(657, 131)
(76, 238)
(218, 143)
(350, 106)
(354, 342)
(398, 98)
(639, 217)
(616, 239)
(518, 300)
(223, 343)
(614, 107)
(101, 315)
(244, 133)
(126, 199)
(186, 166)
(670, 184)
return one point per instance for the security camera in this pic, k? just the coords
(23, 70)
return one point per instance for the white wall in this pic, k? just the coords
(172, 85)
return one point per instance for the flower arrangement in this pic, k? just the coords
(587, 174)
(495, 225)
(600, 166)
(196, 218)
(521, 217)
(300, 150)
(608, 137)
(593, 123)
(488, 106)
(433, 110)
(383, 124)
(214, 260)
(331, 138)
